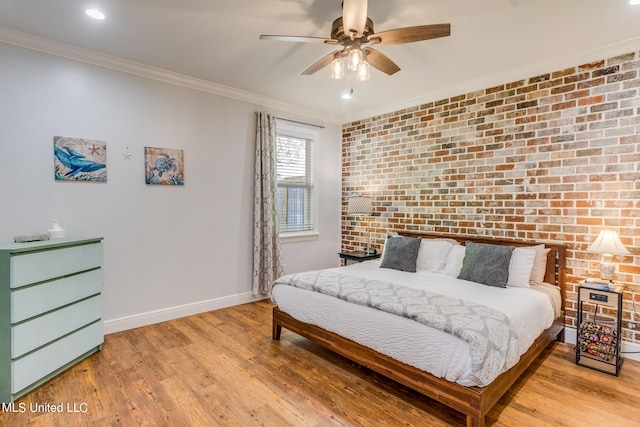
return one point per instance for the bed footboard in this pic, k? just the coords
(474, 402)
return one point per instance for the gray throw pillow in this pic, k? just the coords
(401, 253)
(486, 264)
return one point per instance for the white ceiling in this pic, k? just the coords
(491, 42)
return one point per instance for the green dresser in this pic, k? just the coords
(50, 310)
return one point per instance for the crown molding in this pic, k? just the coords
(513, 74)
(52, 47)
(33, 42)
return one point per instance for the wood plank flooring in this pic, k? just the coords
(222, 369)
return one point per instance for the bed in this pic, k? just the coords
(412, 348)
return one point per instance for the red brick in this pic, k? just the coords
(548, 158)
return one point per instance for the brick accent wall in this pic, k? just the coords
(553, 157)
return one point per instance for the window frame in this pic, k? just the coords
(286, 128)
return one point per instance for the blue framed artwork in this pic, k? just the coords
(163, 166)
(77, 159)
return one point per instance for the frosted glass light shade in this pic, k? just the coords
(354, 17)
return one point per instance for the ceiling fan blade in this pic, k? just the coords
(410, 34)
(298, 39)
(381, 61)
(323, 62)
(354, 17)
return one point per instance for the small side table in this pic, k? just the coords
(599, 335)
(357, 256)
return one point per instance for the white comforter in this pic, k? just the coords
(530, 311)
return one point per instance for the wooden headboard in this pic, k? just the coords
(556, 260)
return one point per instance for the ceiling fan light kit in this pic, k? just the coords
(363, 71)
(357, 37)
(337, 68)
(356, 61)
(355, 58)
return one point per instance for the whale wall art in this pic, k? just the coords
(163, 166)
(77, 159)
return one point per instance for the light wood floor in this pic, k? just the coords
(222, 368)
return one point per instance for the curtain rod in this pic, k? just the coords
(301, 123)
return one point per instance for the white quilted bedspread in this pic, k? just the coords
(408, 341)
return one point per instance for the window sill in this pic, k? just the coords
(298, 237)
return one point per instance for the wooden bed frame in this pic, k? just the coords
(474, 402)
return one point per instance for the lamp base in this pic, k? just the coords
(607, 267)
(370, 251)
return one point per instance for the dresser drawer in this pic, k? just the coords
(37, 332)
(31, 368)
(50, 264)
(34, 300)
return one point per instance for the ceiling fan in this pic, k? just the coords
(354, 32)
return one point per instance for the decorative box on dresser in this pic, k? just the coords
(50, 310)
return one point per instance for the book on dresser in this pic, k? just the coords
(50, 310)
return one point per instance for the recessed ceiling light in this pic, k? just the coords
(634, 2)
(95, 14)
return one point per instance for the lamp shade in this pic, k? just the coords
(608, 242)
(360, 206)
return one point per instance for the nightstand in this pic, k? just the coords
(599, 335)
(357, 256)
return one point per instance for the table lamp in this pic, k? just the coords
(608, 244)
(362, 206)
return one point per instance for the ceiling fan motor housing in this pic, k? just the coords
(338, 33)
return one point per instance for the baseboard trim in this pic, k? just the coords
(157, 316)
(629, 351)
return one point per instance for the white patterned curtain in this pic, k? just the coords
(266, 242)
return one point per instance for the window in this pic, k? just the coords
(296, 179)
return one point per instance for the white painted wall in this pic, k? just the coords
(168, 251)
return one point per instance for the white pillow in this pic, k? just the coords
(520, 267)
(539, 265)
(454, 261)
(432, 254)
